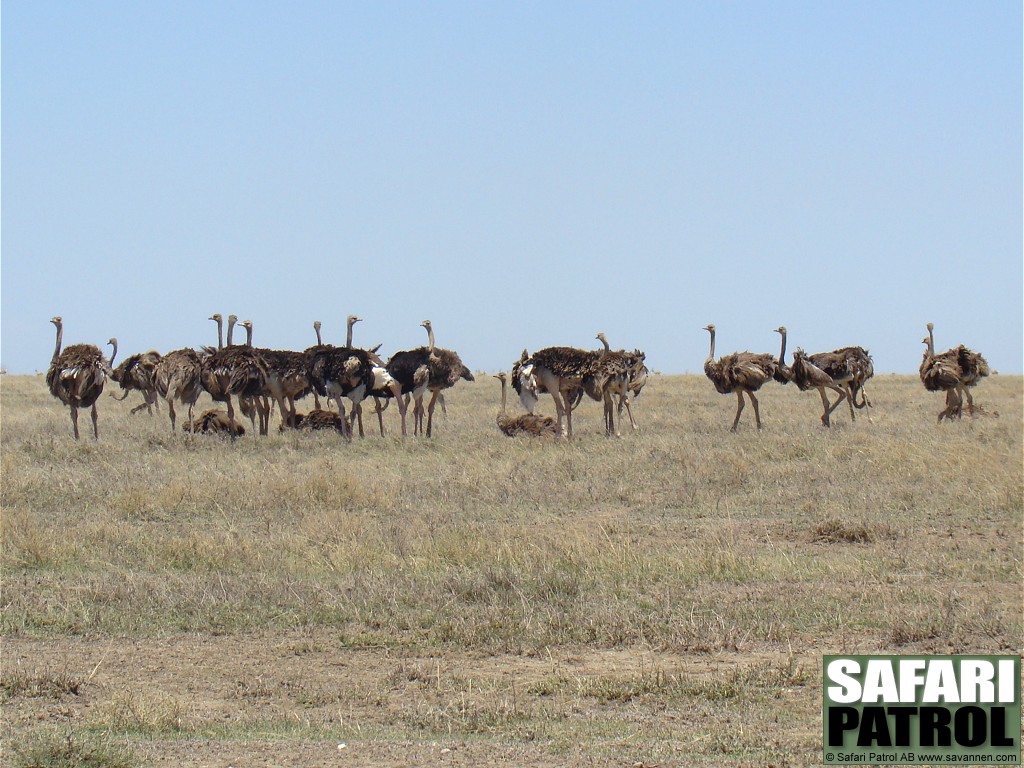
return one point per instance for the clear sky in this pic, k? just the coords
(523, 174)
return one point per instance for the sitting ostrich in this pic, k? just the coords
(315, 419)
(214, 422)
(76, 376)
(527, 424)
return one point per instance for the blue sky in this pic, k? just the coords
(522, 174)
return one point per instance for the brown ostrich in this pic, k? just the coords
(527, 424)
(233, 370)
(76, 377)
(138, 373)
(214, 422)
(178, 378)
(739, 373)
(954, 371)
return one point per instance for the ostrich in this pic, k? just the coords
(525, 383)
(426, 368)
(178, 376)
(527, 424)
(309, 350)
(848, 368)
(806, 375)
(563, 372)
(287, 377)
(446, 369)
(627, 373)
(383, 386)
(315, 419)
(138, 372)
(233, 370)
(740, 372)
(214, 422)
(76, 376)
(337, 372)
(972, 368)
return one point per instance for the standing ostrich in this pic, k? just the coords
(848, 368)
(446, 369)
(740, 372)
(806, 375)
(337, 372)
(626, 373)
(425, 369)
(563, 372)
(383, 386)
(138, 372)
(972, 368)
(233, 370)
(76, 376)
(287, 377)
(526, 424)
(179, 377)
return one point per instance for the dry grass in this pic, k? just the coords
(683, 539)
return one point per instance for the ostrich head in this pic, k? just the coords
(57, 320)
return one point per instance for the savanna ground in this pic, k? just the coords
(660, 599)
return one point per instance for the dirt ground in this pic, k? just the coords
(368, 696)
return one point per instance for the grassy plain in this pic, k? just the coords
(660, 599)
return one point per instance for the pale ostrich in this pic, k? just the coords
(739, 373)
(526, 424)
(76, 377)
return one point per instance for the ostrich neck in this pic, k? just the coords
(711, 354)
(604, 341)
(60, 335)
(504, 396)
(319, 341)
(931, 343)
(114, 353)
(782, 354)
(430, 338)
(348, 337)
(220, 333)
(231, 330)
(248, 335)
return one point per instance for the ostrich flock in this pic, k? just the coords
(260, 378)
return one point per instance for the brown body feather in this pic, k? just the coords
(214, 422)
(739, 373)
(525, 425)
(76, 377)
